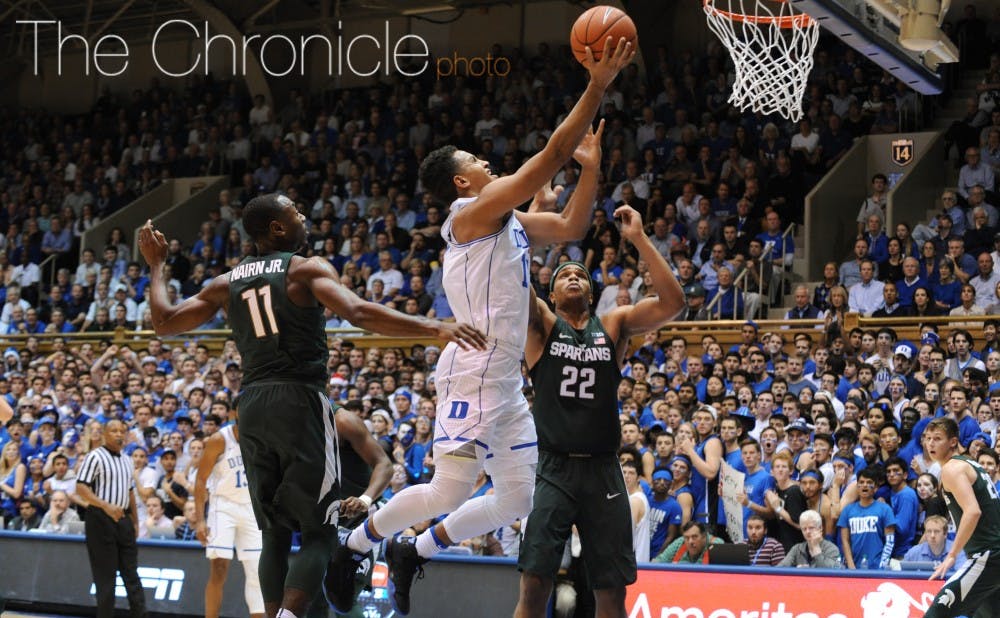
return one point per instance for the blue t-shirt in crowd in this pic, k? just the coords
(662, 515)
(867, 527)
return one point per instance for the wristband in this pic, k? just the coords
(364, 498)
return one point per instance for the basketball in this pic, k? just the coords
(595, 26)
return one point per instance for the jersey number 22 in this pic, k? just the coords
(577, 383)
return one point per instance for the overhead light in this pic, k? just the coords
(435, 8)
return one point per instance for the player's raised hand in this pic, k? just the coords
(462, 334)
(631, 223)
(588, 153)
(617, 55)
(152, 245)
(545, 198)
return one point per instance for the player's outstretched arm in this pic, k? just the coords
(319, 276)
(544, 228)
(504, 194)
(190, 313)
(215, 446)
(351, 428)
(649, 313)
(540, 321)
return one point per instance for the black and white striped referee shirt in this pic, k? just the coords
(109, 475)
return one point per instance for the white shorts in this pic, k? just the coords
(231, 525)
(504, 435)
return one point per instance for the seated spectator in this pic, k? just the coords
(977, 199)
(763, 550)
(155, 518)
(911, 281)
(935, 545)
(979, 236)
(891, 306)
(866, 295)
(691, 547)
(973, 173)
(986, 280)
(878, 249)
(709, 273)
(968, 306)
(730, 304)
(891, 268)
(59, 515)
(831, 278)
(850, 271)
(803, 309)
(815, 552)
(27, 518)
(184, 525)
(947, 290)
(950, 209)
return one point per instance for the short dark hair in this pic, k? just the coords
(436, 173)
(259, 213)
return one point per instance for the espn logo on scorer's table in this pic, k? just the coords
(166, 584)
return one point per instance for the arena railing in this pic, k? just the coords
(726, 332)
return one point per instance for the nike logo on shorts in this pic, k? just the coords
(613, 496)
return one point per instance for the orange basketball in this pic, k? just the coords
(595, 26)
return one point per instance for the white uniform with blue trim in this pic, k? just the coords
(479, 391)
(231, 524)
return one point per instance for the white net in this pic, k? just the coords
(772, 48)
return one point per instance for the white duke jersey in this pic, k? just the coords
(229, 477)
(487, 280)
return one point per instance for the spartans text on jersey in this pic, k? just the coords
(579, 353)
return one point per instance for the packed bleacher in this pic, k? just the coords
(717, 189)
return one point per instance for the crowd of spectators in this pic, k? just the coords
(716, 187)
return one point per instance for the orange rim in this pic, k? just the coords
(790, 21)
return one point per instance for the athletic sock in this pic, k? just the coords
(428, 543)
(360, 541)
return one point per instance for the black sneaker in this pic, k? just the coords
(404, 565)
(338, 583)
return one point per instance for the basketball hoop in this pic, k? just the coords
(772, 49)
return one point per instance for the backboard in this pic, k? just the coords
(906, 43)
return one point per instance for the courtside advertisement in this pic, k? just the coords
(693, 594)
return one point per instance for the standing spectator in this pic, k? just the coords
(875, 203)
(905, 505)
(867, 527)
(105, 484)
(639, 506)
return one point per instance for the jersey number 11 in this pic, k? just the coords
(254, 299)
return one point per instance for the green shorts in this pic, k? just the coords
(288, 439)
(589, 492)
(974, 589)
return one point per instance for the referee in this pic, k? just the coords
(105, 483)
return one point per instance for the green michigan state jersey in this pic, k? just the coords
(277, 339)
(986, 535)
(576, 381)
